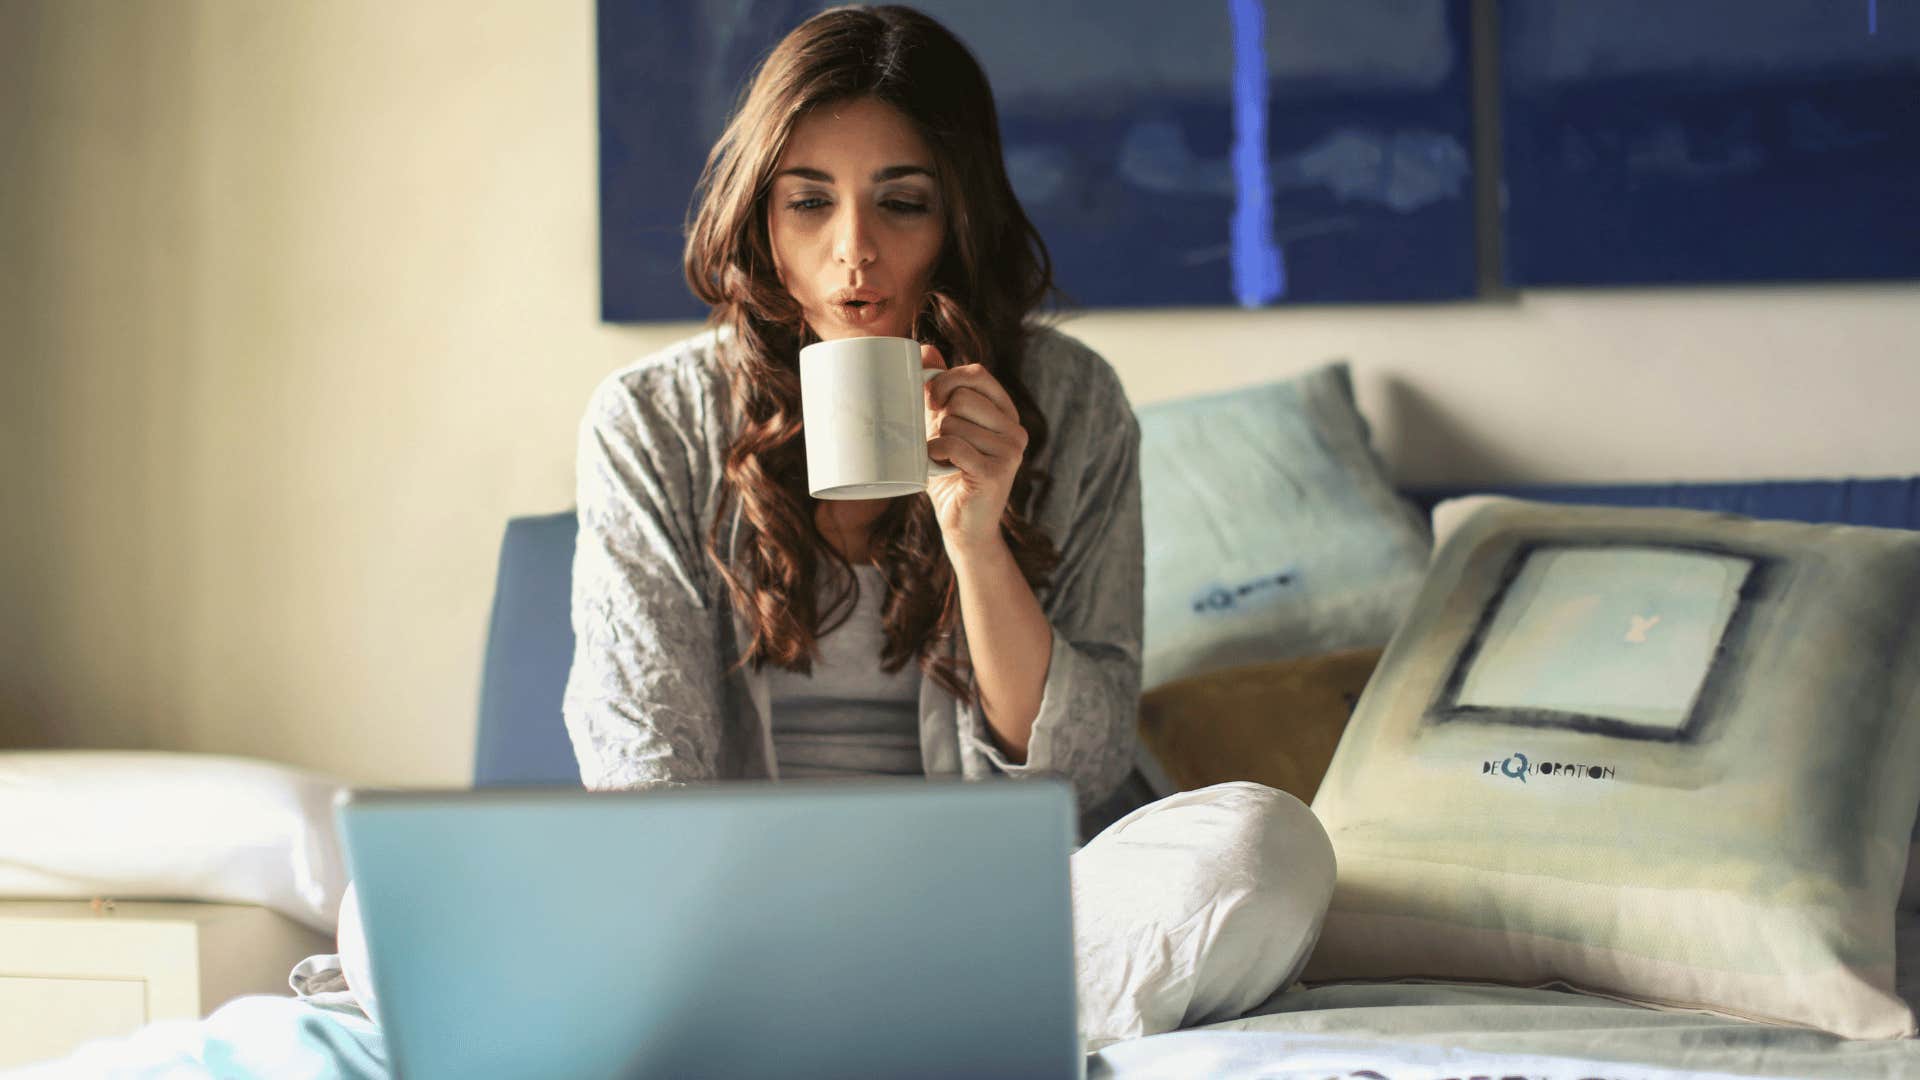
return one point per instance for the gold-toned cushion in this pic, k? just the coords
(1275, 723)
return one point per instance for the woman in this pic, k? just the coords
(729, 626)
(859, 191)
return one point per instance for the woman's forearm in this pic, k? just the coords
(1008, 639)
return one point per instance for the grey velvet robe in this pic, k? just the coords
(647, 702)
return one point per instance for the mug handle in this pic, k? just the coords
(934, 468)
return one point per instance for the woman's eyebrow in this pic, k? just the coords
(891, 172)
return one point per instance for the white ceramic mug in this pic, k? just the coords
(866, 425)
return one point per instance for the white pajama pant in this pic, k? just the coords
(1196, 908)
(1188, 910)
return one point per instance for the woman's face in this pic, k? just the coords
(855, 219)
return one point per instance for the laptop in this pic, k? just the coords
(748, 928)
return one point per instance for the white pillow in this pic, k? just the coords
(153, 825)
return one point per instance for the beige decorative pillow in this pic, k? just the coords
(1665, 756)
(1447, 517)
(1276, 723)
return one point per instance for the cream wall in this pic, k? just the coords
(300, 305)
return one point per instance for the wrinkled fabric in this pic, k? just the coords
(268, 1038)
(1196, 908)
(1425, 1030)
(1408, 1030)
(649, 700)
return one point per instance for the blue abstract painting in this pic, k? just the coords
(1233, 152)
(1651, 141)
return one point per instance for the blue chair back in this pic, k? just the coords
(522, 741)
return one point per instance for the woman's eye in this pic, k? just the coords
(900, 207)
(805, 205)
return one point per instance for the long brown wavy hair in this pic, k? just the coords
(992, 274)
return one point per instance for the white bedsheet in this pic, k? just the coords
(1384, 1031)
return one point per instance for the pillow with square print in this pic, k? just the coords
(1665, 756)
(1272, 529)
(1447, 516)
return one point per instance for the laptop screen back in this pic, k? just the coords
(747, 928)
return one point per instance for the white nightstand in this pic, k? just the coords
(70, 973)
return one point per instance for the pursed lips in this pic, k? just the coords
(858, 305)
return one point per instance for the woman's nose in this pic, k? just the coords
(853, 239)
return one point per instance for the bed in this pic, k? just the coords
(1352, 1029)
(1398, 1031)
(1385, 1029)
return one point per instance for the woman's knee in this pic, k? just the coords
(1277, 860)
(1295, 855)
(1197, 907)
(1236, 835)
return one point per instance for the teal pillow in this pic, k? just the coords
(1272, 530)
(1665, 756)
